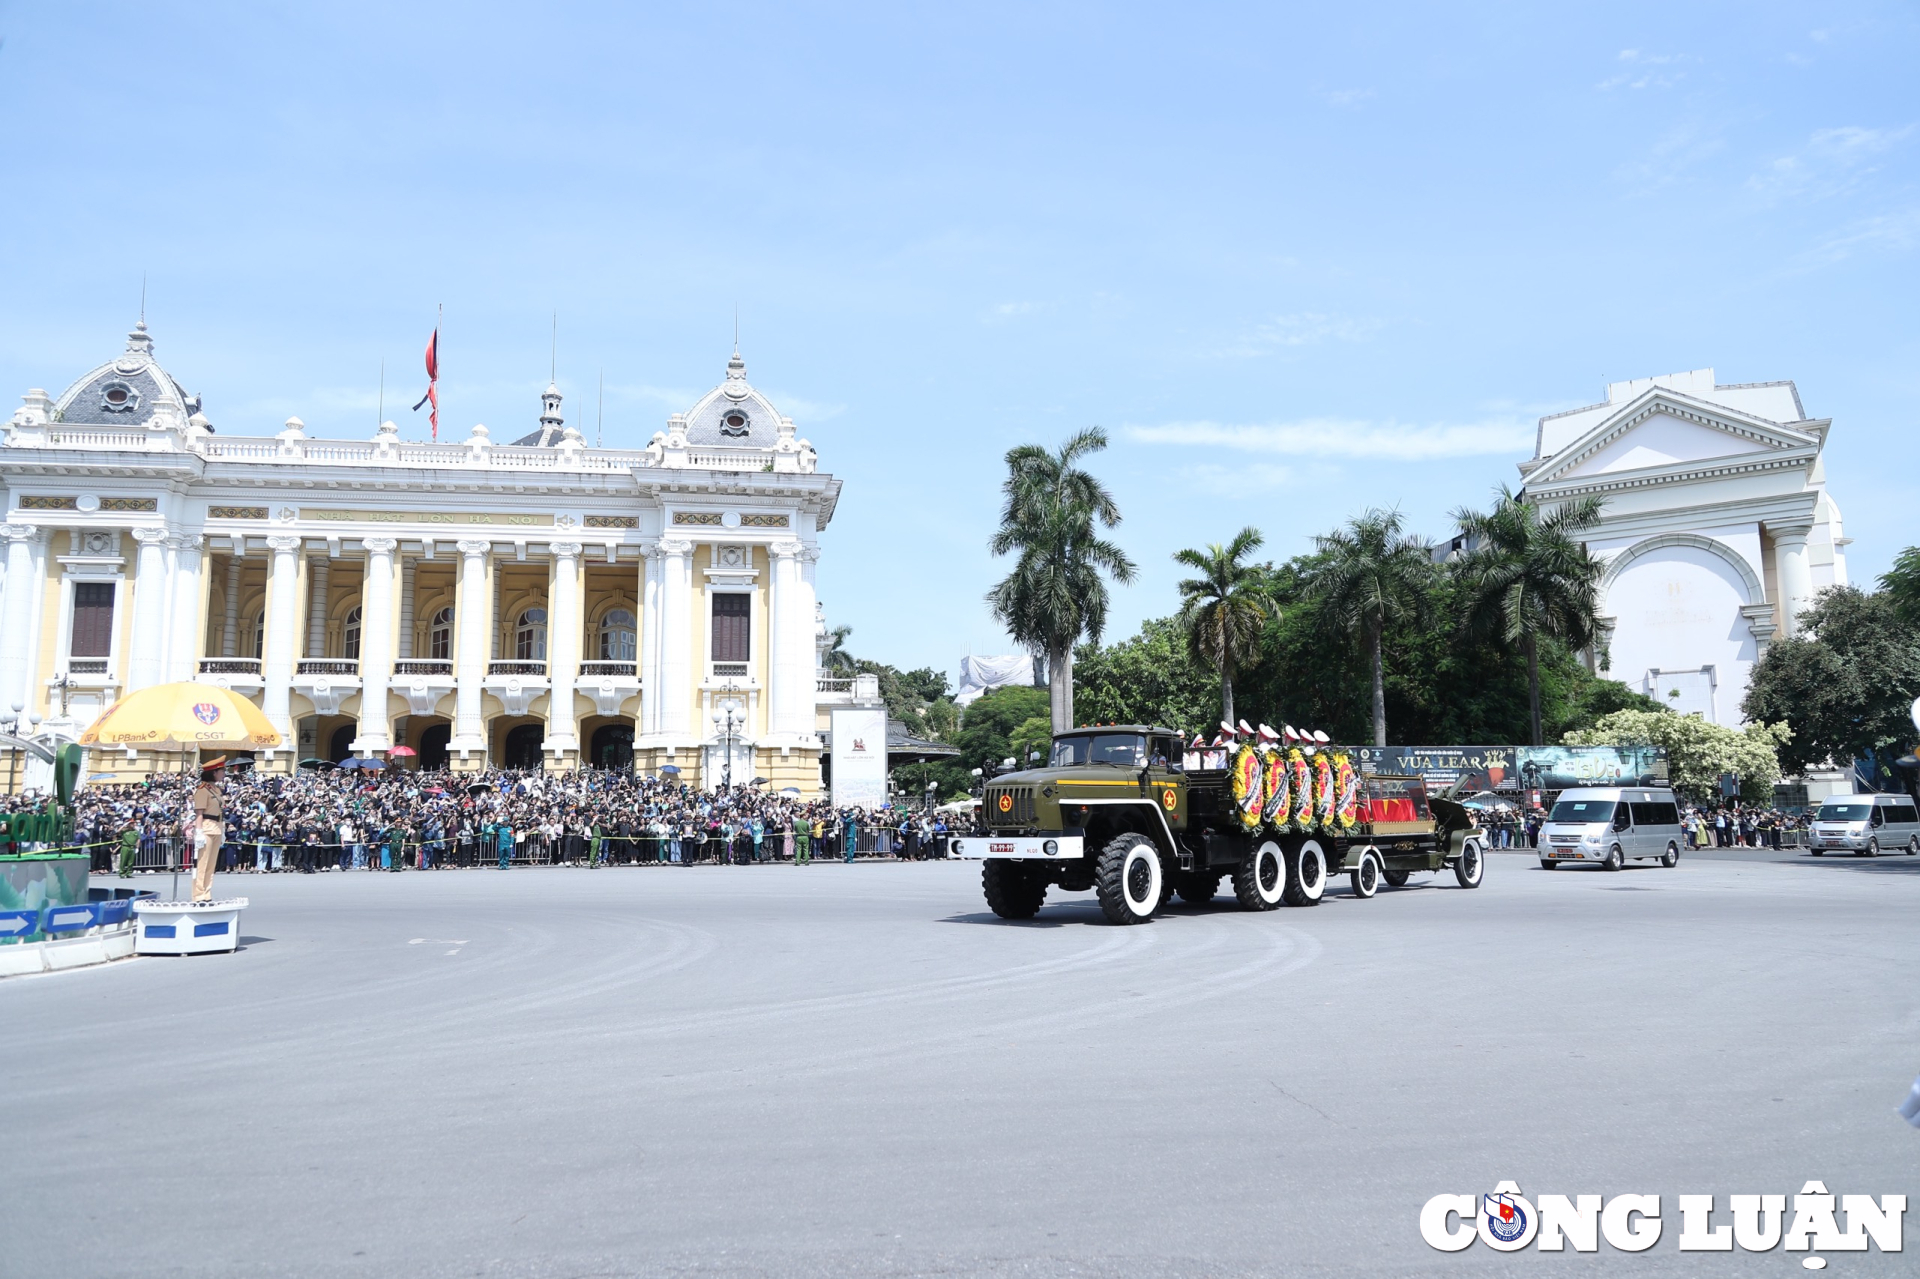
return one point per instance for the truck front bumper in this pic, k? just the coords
(1049, 848)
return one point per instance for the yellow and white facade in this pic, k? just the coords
(539, 603)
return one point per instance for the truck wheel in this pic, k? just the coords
(1615, 859)
(1128, 878)
(1198, 887)
(1396, 878)
(1260, 881)
(1306, 874)
(1470, 867)
(1671, 857)
(1012, 893)
(1366, 876)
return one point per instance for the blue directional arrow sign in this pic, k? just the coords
(64, 919)
(18, 923)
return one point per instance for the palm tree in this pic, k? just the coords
(1370, 574)
(1055, 594)
(1527, 577)
(835, 656)
(1224, 610)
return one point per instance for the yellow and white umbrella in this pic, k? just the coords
(183, 717)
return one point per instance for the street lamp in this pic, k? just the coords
(728, 721)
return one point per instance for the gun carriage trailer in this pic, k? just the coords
(1116, 811)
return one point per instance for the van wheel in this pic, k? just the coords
(1366, 876)
(1549, 865)
(1198, 887)
(1913, 845)
(1872, 849)
(1260, 881)
(1672, 856)
(1396, 878)
(1306, 874)
(1615, 859)
(1127, 879)
(1012, 893)
(1470, 867)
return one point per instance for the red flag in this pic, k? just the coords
(433, 382)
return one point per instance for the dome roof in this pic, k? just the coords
(734, 414)
(128, 391)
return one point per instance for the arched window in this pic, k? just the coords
(350, 635)
(259, 636)
(530, 637)
(440, 636)
(616, 636)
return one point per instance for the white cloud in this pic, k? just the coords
(1896, 231)
(1831, 162)
(1007, 312)
(1646, 71)
(1347, 438)
(1347, 97)
(1303, 328)
(1677, 154)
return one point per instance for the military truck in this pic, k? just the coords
(1116, 811)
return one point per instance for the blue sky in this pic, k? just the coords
(1385, 237)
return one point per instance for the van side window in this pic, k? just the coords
(1905, 813)
(1656, 813)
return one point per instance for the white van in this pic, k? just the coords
(1608, 825)
(1865, 825)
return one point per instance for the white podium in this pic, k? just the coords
(188, 928)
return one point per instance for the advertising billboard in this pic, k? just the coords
(1510, 769)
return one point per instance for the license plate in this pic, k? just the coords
(1564, 855)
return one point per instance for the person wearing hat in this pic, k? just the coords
(209, 810)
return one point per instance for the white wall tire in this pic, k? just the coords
(1306, 874)
(1129, 879)
(1470, 867)
(1365, 877)
(1260, 881)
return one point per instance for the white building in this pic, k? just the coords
(539, 603)
(1718, 528)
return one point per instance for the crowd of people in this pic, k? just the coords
(403, 819)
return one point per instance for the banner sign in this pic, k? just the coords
(1511, 769)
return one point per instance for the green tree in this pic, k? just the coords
(1697, 752)
(1033, 735)
(836, 658)
(1846, 682)
(1367, 575)
(1527, 579)
(1224, 610)
(1902, 586)
(1055, 594)
(1150, 678)
(986, 731)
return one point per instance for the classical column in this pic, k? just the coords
(1792, 571)
(676, 639)
(230, 625)
(283, 608)
(650, 599)
(472, 609)
(189, 629)
(376, 645)
(406, 606)
(149, 637)
(319, 571)
(22, 611)
(789, 664)
(565, 624)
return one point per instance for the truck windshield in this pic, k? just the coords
(1844, 812)
(1129, 750)
(1575, 811)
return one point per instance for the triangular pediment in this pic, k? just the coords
(1662, 429)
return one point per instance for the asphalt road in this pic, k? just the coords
(838, 1071)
